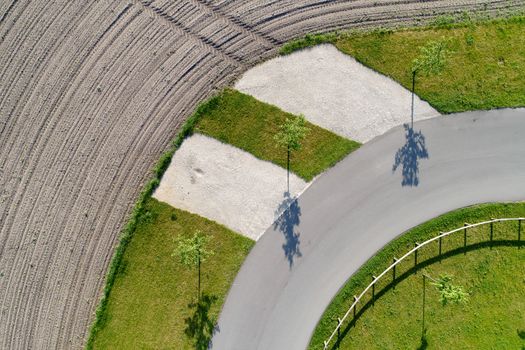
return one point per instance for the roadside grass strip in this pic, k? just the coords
(149, 304)
(244, 122)
(485, 69)
(491, 274)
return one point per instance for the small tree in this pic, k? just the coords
(192, 252)
(448, 293)
(431, 60)
(290, 135)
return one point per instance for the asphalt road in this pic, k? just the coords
(356, 208)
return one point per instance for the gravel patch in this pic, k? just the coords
(334, 91)
(226, 184)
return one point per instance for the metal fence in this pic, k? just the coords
(414, 251)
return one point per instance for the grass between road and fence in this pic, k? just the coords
(149, 303)
(485, 70)
(492, 274)
(244, 122)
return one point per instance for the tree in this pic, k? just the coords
(192, 252)
(431, 60)
(448, 293)
(290, 135)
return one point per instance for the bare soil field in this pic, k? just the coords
(91, 93)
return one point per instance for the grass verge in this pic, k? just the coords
(149, 304)
(246, 123)
(493, 275)
(485, 70)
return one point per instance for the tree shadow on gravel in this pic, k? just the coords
(286, 223)
(408, 156)
(200, 326)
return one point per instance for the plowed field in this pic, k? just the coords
(91, 93)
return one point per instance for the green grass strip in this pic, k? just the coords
(138, 209)
(148, 306)
(244, 122)
(492, 275)
(485, 69)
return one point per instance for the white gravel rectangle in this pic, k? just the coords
(226, 184)
(334, 91)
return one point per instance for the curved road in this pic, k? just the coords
(356, 208)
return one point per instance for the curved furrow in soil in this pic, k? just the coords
(19, 70)
(221, 32)
(54, 115)
(177, 26)
(46, 169)
(339, 15)
(239, 22)
(25, 164)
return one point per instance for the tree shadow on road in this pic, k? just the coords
(408, 156)
(286, 223)
(200, 326)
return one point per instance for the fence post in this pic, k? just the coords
(394, 274)
(519, 232)
(338, 328)
(415, 257)
(491, 231)
(373, 289)
(465, 237)
(440, 243)
(355, 306)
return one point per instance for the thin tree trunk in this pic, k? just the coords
(199, 287)
(413, 93)
(288, 170)
(424, 301)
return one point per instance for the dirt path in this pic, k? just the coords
(91, 93)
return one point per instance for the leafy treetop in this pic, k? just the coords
(192, 250)
(432, 58)
(449, 292)
(292, 132)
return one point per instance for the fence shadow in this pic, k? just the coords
(408, 156)
(286, 223)
(413, 270)
(200, 327)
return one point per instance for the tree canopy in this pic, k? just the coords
(432, 58)
(449, 292)
(191, 251)
(292, 132)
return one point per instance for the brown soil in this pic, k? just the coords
(91, 93)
